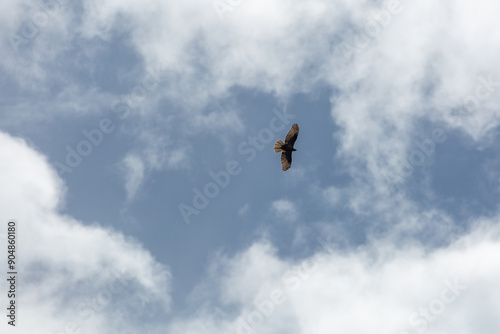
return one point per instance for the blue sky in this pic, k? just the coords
(115, 114)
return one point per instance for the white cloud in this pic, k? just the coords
(422, 65)
(377, 288)
(70, 268)
(89, 276)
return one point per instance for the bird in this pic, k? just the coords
(287, 147)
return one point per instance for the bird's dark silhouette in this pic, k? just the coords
(287, 147)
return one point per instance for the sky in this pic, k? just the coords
(137, 164)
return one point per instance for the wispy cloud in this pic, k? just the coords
(285, 210)
(244, 209)
(134, 174)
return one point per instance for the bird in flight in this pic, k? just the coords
(287, 147)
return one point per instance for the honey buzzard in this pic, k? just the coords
(287, 147)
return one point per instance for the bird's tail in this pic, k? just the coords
(277, 146)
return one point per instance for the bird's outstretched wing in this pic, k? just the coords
(291, 136)
(286, 160)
